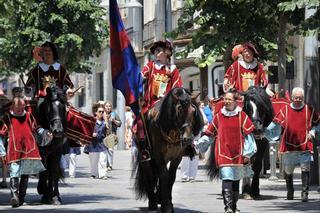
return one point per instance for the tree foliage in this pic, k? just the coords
(77, 27)
(220, 24)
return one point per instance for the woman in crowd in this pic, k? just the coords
(112, 123)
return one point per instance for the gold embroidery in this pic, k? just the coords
(248, 80)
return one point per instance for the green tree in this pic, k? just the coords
(218, 25)
(77, 27)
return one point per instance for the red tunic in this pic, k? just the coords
(37, 74)
(296, 125)
(161, 79)
(21, 143)
(230, 132)
(241, 78)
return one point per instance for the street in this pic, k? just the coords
(82, 194)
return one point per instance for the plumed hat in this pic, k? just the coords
(165, 44)
(236, 51)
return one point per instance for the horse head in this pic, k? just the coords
(179, 112)
(258, 106)
(54, 111)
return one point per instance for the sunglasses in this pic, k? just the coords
(100, 111)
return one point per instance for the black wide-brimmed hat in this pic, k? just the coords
(250, 46)
(165, 44)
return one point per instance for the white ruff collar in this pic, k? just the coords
(248, 66)
(45, 67)
(159, 66)
(12, 113)
(234, 112)
(296, 108)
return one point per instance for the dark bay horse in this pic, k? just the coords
(52, 116)
(171, 126)
(258, 107)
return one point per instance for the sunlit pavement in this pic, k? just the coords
(83, 194)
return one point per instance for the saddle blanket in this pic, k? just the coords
(80, 126)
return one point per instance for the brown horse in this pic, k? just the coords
(171, 125)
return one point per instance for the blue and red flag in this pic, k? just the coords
(126, 75)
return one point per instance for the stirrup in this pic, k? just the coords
(145, 156)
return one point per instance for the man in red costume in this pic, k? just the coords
(160, 77)
(246, 71)
(233, 147)
(21, 153)
(296, 148)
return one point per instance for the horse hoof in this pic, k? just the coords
(14, 202)
(153, 206)
(56, 200)
(45, 200)
(246, 196)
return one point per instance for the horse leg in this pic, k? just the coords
(246, 188)
(166, 205)
(56, 200)
(43, 188)
(257, 166)
(172, 175)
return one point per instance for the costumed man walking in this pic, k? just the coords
(160, 77)
(244, 72)
(21, 153)
(297, 121)
(232, 149)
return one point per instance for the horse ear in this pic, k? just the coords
(194, 96)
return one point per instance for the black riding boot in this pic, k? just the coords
(228, 200)
(145, 154)
(235, 200)
(23, 188)
(305, 186)
(14, 187)
(289, 184)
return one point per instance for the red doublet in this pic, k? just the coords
(160, 80)
(21, 144)
(37, 74)
(296, 125)
(241, 78)
(230, 132)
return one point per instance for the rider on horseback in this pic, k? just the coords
(160, 77)
(246, 71)
(48, 66)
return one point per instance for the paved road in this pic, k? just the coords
(83, 194)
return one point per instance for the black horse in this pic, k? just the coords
(171, 126)
(52, 116)
(258, 106)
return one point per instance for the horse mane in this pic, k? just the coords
(198, 119)
(259, 96)
(167, 117)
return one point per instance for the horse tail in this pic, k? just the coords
(212, 169)
(144, 178)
